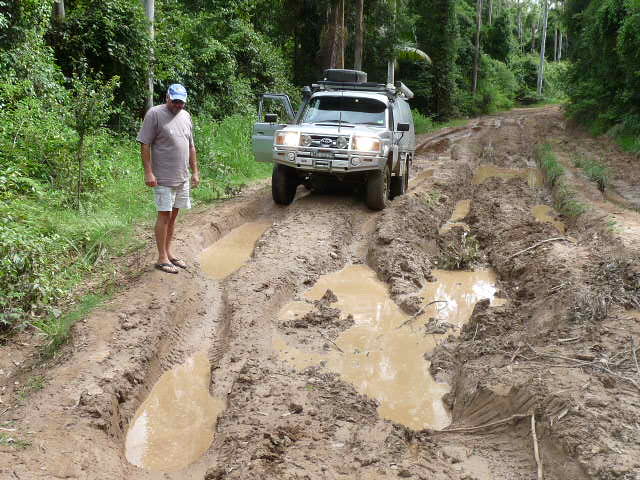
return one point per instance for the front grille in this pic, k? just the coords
(317, 141)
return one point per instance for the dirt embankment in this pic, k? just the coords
(559, 350)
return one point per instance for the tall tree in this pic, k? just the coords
(333, 36)
(359, 38)
(149, 9)
(59, 11)
(476, 58)
(543, 42)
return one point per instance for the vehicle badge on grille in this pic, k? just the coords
(326, 141)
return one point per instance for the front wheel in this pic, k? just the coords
(284, 183)
(378, 189)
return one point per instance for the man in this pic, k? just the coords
(167, 149)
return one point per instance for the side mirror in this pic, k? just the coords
(270, 118)
(403, 127)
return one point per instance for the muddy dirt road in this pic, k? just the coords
(468, 331)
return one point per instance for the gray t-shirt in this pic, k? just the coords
(170, 137)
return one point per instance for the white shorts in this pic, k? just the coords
(168, 198)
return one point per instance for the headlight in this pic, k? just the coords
(366, 144)
(288, 139)
(342, 142)
(306, 140)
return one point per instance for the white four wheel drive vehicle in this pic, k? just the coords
(347, 131)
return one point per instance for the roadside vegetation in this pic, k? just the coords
(74, 87)
(596, 171)
(564, 197)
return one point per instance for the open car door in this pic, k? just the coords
(274, 112)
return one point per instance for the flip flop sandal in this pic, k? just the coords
(178, 263)
(166, 267)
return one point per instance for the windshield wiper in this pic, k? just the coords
(331, 121)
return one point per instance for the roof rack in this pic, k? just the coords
(392, 91)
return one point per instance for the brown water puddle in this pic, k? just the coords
(232, 251)
(174, 426)
(546, 214)
(532, 175)
(382, 355)
(460, 211)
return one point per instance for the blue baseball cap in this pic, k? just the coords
(177, 92)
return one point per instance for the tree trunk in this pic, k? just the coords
(341, 34)
(59, 11)
(534, 30)
(520, 29)
(555, 46)
(560, 47)
(150, 11)
(543, 41)
(490, 12)
(476, 58)
(332, 40)
(359, 41)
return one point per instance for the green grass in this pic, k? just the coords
(564, 197)
(57, 328)
(431, 198)
(424, 124)
(10, 440)
(595, 171)
(34, 384)
(629, 143)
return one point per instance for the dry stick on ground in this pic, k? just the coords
(332, 342)
(536, 452)
(594, 364)
(486, 425)
(633, 350)
(419, 312)
(542, 242)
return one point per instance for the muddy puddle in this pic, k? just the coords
(546, 214)
(383, 354)
(460, 211)
(532, 175)
(232, 251)
(174, 426)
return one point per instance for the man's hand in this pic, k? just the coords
(150, 180)
(195, 180)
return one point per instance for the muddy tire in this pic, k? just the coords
(378, 189)
(284, 183)
(399, 184)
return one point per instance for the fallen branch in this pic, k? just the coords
(536, 453)
(542, 242)
(419, 312)
(332, 342)
(486, 425)
(633, 350)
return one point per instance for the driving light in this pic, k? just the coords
(291, 156)
(355, 161)
(306, 140)
(288, 139)
(366, 144)
(342, 142)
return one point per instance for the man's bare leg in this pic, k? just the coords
(161, 231)
(170, 228)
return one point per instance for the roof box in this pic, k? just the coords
(342, 75)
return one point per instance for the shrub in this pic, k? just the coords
(422, 123)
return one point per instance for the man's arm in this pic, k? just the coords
(149, 177)
(193, 165)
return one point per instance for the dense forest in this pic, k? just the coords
(78, 76)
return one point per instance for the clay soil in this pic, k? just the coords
(560, 351)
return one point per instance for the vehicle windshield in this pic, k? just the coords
(354, 110)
